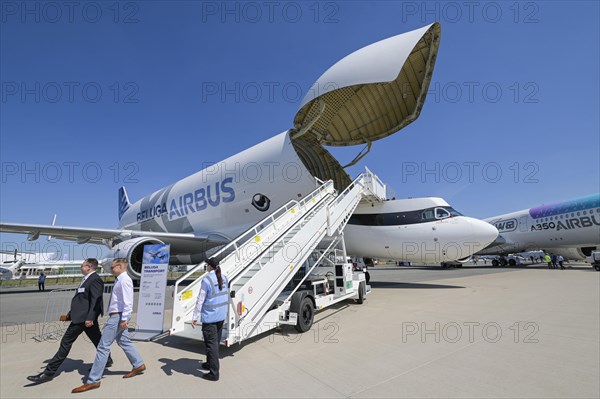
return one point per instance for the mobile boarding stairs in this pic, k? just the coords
(286, 266)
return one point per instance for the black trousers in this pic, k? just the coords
(41, 287)
(211, 332)
(73, 331)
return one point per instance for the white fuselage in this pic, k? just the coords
(571, 224)
(415, 230)
(219, 201)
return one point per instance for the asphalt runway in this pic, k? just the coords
(472, 332)
(20, 305)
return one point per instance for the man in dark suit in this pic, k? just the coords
(86, 307)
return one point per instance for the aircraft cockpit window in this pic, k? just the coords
(427, 214)
(453, 212)
(441, 213)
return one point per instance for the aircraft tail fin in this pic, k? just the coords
(124, 203)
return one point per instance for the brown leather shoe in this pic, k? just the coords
(86, 387)
(135, 371)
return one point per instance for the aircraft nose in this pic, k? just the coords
(483, 233)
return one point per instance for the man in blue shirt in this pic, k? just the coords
(41, 281)
(115, 329)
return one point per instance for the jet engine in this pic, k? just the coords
(576, 253)
(133, 251)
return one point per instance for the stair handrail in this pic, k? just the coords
(254, 229)
(271, 296)
(179, 310)
(241, 275)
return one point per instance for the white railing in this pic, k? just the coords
(304, 223)
(373, 185)
(244, 249)
(270, 282)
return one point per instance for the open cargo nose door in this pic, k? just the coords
(366, 96)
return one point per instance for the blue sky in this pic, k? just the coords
(95, 96)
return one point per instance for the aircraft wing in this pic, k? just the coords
(502, 246)
(106, 237)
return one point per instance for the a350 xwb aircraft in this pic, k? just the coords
(569, 228)
(368, 95)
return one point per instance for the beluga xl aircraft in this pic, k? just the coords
(368, 95)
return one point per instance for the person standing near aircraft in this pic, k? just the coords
(115, 329)
(560, 262)
(211, 306)
(86, 307)
(41, 281)
(548, 260)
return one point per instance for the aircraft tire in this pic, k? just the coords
(306, 315)
(597, 267)
(512, 262)
(495, 263)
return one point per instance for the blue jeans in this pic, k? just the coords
(111, 333)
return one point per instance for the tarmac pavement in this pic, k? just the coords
(528, 333)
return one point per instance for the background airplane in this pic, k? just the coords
(570, 228)
(420, 230)
(10, 262)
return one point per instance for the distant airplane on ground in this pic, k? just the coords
(368, 95)
(569, 228)
(10, 264)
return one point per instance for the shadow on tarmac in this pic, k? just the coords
(192, 366)
(534, 266)
(185, 366)
(78, 365)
